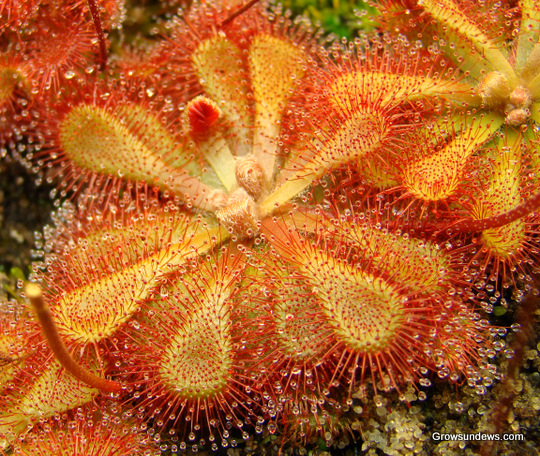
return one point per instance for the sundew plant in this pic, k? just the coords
(267, 238)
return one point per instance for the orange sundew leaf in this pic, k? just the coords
(99, 278)
(359, 136)
(501, 195)
(351, 298)
(102, 134)
(214, 61)
(195, 355)
(53, 391)
(437, 176)
(449, 14)
(200, 356)
(413, 263)
(132, 143)
(366, 312)
(95, 311)
(529, 33)
(275, 65)
(398, 88)
(416, 265)
(218, 62)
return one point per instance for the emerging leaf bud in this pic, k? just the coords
(521, 97)
(250, 175)
(517, 117)
(200, 118)
(240, 214)
(494, 89)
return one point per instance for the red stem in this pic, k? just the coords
(101, 36)
(237, 13)
(48, 327)
(522, 210)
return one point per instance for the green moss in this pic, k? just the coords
(340, 17)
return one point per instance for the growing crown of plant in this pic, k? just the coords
(258, 227)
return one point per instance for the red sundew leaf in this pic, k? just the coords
(195, 353)
(86, 435)
(99, 281)
(449, 14)
(49, 391)
(125, 138)
(437, 176)
(338, 273)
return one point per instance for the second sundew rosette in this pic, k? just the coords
(486, 163)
